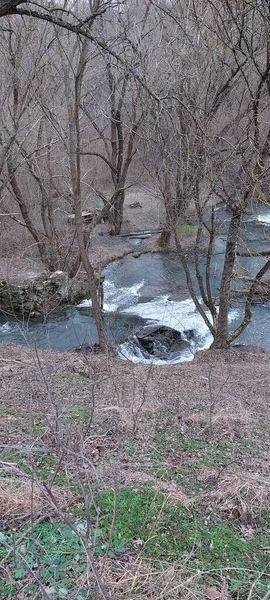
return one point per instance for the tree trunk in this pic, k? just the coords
(117, 212)
(165, 236)
(222, 338)
(75, 169)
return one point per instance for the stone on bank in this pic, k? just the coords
(35, 298)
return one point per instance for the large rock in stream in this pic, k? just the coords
(162, 342)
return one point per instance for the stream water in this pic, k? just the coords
(152, 289)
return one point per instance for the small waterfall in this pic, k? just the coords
(116, 298)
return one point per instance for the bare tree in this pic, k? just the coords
(30, 119)
(115, 104)
(116, 128)
(21, 85)
(211, 133)
(224, 116)
(29, 170)
(53, 129)
(74, 136)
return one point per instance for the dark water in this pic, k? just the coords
(66, 329)
(151, 288)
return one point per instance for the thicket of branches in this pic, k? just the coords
(87, 84)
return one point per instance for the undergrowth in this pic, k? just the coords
(141, 522)
(176, 507)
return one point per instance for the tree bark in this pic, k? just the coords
(7, 7)
(165, 236)
(222, 338)
(116, 212)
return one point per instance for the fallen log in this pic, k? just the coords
(140, 233)
(261, 292)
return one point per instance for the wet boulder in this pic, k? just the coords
(160, 341)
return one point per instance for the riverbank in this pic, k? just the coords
(143, 210)
(27, 290)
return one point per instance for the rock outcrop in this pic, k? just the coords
(35, 298)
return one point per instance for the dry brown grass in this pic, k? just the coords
(105, 450)
(241, 491)
(21, 498)
(141, 579)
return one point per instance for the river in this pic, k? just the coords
(151, 289)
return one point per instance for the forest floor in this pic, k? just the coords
(130, 481)
(163, 470)
(22, 264)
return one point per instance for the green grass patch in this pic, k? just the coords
(7, 411)
(169, 532)
(43, 465)
(137, 520)
(209, 450)
(52, 551)
(187, 228)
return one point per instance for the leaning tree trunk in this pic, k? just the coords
(222, 337)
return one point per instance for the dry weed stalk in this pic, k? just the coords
(214, 396)
(136, 412)
(143, 579)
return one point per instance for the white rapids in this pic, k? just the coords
(116, 298)
(7, 328)
(181, 316)
(129, 351)
(264, 218)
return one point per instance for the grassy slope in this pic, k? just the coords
(172, 498)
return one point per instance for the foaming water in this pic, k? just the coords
(181, 316)
(135, 296)
(130, 351)
(264, 218)
(7, 328)
(116, 298)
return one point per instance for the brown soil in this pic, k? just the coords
(220, 393)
